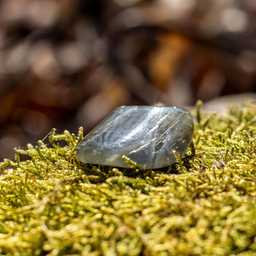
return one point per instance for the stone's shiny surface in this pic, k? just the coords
(147, 135)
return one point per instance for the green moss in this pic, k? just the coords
(50, 204)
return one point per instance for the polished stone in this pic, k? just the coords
(148, 135)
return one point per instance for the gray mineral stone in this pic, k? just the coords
(148, 135)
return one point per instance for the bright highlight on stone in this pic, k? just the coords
(150, 136)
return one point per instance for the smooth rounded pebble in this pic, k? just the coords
(150, 136)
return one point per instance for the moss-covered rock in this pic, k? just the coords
(50, 204)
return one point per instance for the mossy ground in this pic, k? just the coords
(50, 204)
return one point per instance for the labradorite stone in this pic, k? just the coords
(148, 135)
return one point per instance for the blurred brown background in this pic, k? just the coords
(67, 63)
